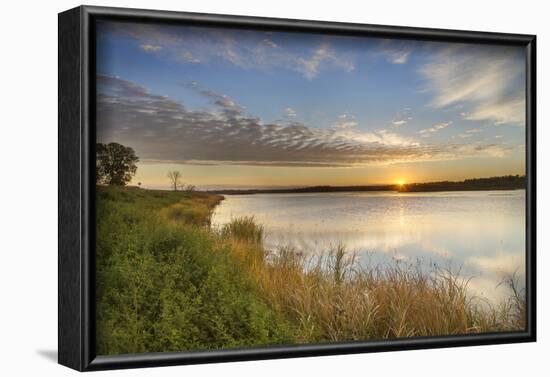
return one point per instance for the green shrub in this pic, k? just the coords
(165, 285)
(244, 229)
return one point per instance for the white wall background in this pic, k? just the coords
(28, 185)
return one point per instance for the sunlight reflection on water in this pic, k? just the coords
(480, 233)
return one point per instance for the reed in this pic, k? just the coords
(244, 229)
(331, 297)
(168, 281)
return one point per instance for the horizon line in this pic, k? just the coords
(236, 187)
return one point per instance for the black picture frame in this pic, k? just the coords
(76, 188)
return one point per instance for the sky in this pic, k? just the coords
(233, 108)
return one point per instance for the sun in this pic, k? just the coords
(400, 182)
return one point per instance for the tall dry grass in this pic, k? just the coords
(331, 297)
(196, 212)
(167, 281)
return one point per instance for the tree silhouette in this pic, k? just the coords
(175, 179)
(115, 164)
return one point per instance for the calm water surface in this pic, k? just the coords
(480, 233)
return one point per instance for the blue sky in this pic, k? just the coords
(261, 103)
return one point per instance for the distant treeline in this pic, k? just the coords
(508, 182)
(311, 189)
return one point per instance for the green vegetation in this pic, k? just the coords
(166, 281)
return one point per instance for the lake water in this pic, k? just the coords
(480, 233)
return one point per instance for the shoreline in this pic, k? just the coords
(255, 192)
(509, 182)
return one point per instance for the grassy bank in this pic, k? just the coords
(167, 282)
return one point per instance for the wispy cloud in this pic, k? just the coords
(402, 117)
(503, 110)
(228, 105)
(324, 54)
(150, 48)
(487, 80)
(399, 122)
(189, 57)
(244, 49)
(270, 43)
(162, 129)
(345, 122)
(396, 52)
(398, 57)
(290, 112)
(435, 128)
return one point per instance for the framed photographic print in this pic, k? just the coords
(239, 188)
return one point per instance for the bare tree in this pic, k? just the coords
(190, 188)
(175, 179)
